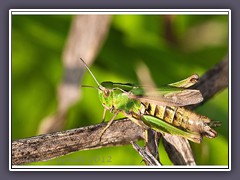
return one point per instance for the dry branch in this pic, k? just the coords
(47, 146)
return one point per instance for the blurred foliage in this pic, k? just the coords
(196, 43)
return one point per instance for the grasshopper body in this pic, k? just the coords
(161, 110)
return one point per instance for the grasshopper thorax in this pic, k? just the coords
(113, 97)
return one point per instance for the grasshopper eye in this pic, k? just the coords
(106, 93)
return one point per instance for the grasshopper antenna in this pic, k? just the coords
(87, 86)
(90, 72)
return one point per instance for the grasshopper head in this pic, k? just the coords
(105, 96)
(105, 90)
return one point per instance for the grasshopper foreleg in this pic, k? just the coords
(108, 124)
(104, 114)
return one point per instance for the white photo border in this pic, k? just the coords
(117, 12)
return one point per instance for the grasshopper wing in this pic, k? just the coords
(188, 82)
(174, 94)
(168, 96)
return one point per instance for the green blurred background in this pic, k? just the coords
(198, 42)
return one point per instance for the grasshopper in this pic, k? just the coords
(160, 109)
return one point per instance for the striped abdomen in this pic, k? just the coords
(181, 117)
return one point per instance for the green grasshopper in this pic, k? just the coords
(159, 109)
